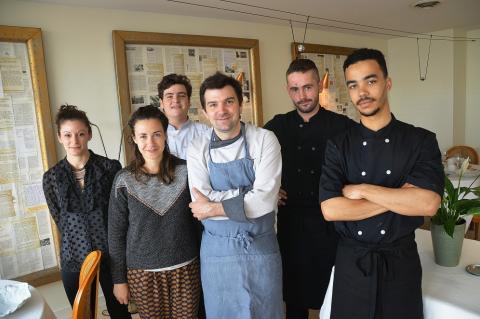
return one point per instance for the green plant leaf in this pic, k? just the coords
(473, 211)
(476, 191)
(449, 226)
(449, 189)
(464, 205)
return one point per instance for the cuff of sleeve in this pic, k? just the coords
(426, 185)
(120, 278)
(234, 208)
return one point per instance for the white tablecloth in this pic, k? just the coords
(34, 308)
(448, 292)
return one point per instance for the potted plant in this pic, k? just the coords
(448, 224)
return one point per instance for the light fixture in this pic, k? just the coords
(240, 77)
(426, 4)
(325, 80)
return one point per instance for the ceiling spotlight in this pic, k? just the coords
(426, 4)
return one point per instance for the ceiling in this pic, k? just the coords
(385, 15)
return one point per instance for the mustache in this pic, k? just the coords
(369, 99)
(304, 101)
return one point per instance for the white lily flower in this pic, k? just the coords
(464, 167)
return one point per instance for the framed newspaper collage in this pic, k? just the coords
(329, 61)
(143, 58)
(27, 149)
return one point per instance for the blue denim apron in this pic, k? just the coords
(240, 261)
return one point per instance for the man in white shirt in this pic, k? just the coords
(234, 175)
(175, 92)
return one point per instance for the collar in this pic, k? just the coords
(366, 132)
(172, 128)
(216, 142)
(299, 120)
(92, 160)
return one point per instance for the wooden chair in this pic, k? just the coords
(464, 151)
(476, 226)
(90, 271)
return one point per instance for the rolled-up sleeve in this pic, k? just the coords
(427, 173)
(333, 177)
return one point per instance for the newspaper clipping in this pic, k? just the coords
(147, 64)
(336, 97)
(26, 237)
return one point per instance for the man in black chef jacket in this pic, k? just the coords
(307, 242)
(379, 179)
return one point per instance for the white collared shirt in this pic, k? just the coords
(264, 149)
(178, 140)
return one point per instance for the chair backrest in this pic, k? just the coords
(464, 151)
(83, 306)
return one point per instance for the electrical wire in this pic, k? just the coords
(399, 33)
(340, 21)
(121, 142)
(101, 138)
(424, 77)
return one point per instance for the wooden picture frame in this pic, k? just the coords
(32, 38)
(123, 38)
(329, 61)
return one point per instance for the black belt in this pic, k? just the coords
(375, 260)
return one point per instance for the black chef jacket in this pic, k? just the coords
(397, 154)
(307, 242)
(377, 269)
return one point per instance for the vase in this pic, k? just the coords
(447, 250)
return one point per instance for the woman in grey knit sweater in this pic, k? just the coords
(152, 234)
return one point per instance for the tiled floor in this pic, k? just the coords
(58, 302)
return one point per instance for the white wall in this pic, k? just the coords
(448, 101)
(80, 64)
(426, 103)
(472, 109)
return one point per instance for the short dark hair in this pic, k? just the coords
(166, 171)
(219, 81)
(366, 54)
(172, 79)
(69, 112)
(302, 65)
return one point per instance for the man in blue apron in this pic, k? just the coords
(379, 179)
(234, 175)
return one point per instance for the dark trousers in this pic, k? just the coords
(115, 309)
(296, 312)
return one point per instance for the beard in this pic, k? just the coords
(372, 113)
(312, 104)
(367, 114)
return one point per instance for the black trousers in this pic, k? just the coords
(115, 309)
(296, 312)
(308, 245)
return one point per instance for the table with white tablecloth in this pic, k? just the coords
(448, 292)
(34, 308)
